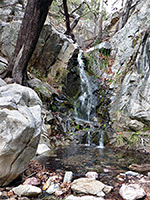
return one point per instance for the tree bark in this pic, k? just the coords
(100, 22)
(33, 21)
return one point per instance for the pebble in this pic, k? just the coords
(131, 173)
(68, 176)
(32, 181)
(52, 188)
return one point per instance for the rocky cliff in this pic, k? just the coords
(130, 107)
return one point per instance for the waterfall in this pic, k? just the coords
(84, 103)
(84, 106)
(101, 140)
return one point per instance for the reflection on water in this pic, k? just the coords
(108, 162)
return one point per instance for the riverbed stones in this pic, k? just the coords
(27, 190)
(20, 128)
(90, 186)
(72, 197)
(131, 192)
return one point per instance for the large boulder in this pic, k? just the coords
(20, 128)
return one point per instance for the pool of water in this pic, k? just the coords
(107, 162)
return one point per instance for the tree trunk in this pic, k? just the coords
(69, 30)
(34, 18)
(100, 22)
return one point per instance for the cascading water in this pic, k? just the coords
(84, 103)
(85, 109)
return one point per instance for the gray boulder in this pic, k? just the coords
(20, 128)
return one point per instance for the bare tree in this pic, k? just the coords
(34, 18)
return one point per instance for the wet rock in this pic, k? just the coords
(27, 190)
(71, 197)
(131, 192)
(68, 176)
(92, 175)
(20, 128)
(89, 186)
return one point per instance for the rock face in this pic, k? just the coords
(20, 128)
(48, 57)
(130, 107)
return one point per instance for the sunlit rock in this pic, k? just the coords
(89, 186)
(27, 190)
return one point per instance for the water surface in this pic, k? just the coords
(107, 162)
